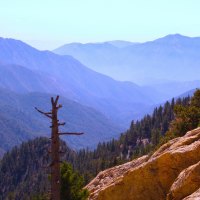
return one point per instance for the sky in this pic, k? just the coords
(47, 24)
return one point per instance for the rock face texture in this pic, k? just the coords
(187, 182)
(172, 173)
(193, 196)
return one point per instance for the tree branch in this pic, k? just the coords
(71, 133)
(61, 124)
(56, 101)
(52, 101)
(59, 106)
(47, 114)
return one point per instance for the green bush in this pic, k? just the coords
(72, 184)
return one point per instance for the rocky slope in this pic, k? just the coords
(172, 173)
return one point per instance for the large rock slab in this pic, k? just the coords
(149, 177)
(193, 196)
(187, 183)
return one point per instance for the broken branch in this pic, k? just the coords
(71, 133)
(61, 124)
(47, 114)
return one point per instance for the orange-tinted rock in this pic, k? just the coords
(148, 178)
(193, 196)
(187, 182)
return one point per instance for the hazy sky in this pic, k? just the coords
(46, 24)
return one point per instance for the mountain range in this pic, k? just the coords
(173, 58)
(19, 120)
(96, 104)
(118, 100)
(100, 106)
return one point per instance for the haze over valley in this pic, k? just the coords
(165, 63)
(111, 102)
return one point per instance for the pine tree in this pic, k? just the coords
(72, 184)
(187, 116)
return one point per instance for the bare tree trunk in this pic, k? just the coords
(55, 146)
(55, 165)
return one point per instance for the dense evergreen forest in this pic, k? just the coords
(23, 170)
(142, 137)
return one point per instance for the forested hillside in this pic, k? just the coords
(142, 137)
(24, 166)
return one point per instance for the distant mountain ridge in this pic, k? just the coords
(172, 89)
(118, 100)
(103, 106)
(173, 57)
(20, 79)
(121, 43)
(19, 120)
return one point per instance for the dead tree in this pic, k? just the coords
(55, 147)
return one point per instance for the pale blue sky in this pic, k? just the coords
(47, 24)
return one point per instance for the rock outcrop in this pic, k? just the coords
(193, 196)
(172, 173)
(187, 182)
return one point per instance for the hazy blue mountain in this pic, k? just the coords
(20, 79)
(19, 120)
(171, 58)
(188, 93)
(172, 89)
(97, 56)
(121, 101)
(121, 43)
